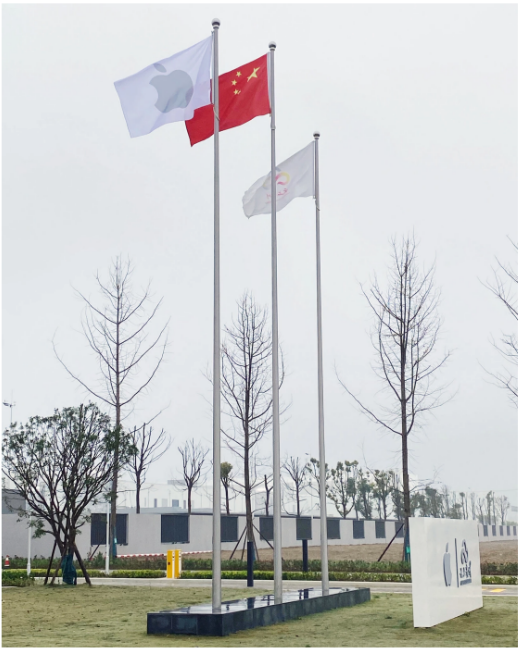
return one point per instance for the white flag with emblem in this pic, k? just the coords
(294, 179)
(167, 91)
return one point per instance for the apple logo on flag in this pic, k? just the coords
(174, 90)
(446, 567)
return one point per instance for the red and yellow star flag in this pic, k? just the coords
(243, 95)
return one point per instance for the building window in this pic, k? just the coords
(98, 529)
(379, 526)
(485, 530)
(266, 528)
(398, 525)
(303, 528)
(333, 529)
(229, 528)
(358, 529)
(175, 528)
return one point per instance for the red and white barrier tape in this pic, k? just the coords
(159, 555)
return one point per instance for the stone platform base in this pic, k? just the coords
(244, 614)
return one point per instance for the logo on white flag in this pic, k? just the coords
(293, 179)
(173, 90)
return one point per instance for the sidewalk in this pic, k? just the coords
(377, 588)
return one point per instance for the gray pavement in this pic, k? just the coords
(377, 588)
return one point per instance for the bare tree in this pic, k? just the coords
(481, 508)
(226, 480)
(503, 505)
(268, 487)
(297, 473)
(128, 354)
(193, 456)
(405, 340)
(148, 450)
(246, 390)
(504, 287)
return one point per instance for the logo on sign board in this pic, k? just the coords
(463, 565)
(465, 574)
(446, 567)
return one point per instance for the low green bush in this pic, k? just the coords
(504, 569)
(16, 578)
(306, 576)
(370, 577)
(499, 580)
(138, 573)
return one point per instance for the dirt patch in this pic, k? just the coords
(501, 551)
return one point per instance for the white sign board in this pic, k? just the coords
(445, 569)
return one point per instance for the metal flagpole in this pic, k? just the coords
(277, 530)
(216, 540)
(30, 533)
(321, 443)
(107, 541)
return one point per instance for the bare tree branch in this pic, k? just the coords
(116, 330)
(405, 341)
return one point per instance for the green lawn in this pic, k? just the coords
(116, 616)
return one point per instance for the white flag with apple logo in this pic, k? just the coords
(167, 91)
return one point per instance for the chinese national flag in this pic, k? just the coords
(243, 95)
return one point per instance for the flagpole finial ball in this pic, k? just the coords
(216, 23)
(316, 134)
(272, 45)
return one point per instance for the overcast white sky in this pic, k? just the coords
(417, 107)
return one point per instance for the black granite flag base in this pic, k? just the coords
(248, 613)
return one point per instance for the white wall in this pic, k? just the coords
(144, 535)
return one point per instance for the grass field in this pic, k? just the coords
(116, 616)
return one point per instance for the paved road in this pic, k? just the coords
(387, 588)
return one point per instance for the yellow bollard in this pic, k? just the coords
(177, 564)
(169, 563)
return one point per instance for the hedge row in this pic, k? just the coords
(305, 576)
(93, 573)
(204, 564)
(17, 579)
(337, 576)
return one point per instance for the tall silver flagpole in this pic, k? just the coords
(216, 540)
(277, 529)
(321, 443)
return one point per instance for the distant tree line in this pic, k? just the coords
(369, 494)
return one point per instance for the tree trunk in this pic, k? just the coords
(247, 495)
(227, 500)
(82, 566)
(189, 495)
(138, 491)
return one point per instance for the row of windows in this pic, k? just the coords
(501, 530)
(175, 528)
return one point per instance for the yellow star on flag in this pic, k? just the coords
(253, 74)
(234, 82)
(237, 92)
(239, 73)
